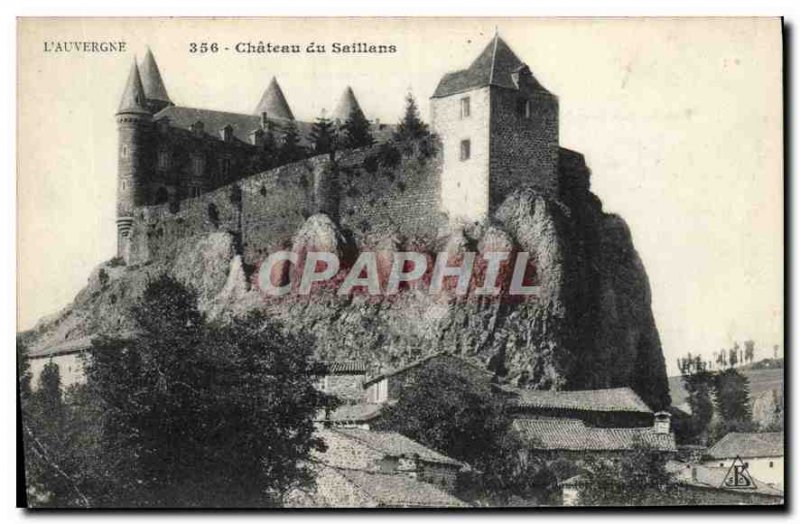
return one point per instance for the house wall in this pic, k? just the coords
(764, 469)
(70, 369)
(348, 388)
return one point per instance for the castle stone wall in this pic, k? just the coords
(402, 201)
(524, 150)
(464, 184)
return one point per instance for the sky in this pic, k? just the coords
(680, 122)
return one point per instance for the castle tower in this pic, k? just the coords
(347, 104)
(273, 103)
(134, 122)
(499, 130)
(154, 90)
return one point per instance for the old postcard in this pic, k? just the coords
(400, 262)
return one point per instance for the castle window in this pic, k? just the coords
(124, 151)
(225, 167)
(163, 160)
(524, 108)
(465, 107)
(465, 150)
(771, 464)
(198, 165)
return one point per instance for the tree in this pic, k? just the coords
(323, 136)
(290, 149)
(733, 355)
(639, 478)
(698, 382)
(410, 126)
(197, 414)
(749, 351)
(732, 397)
(357, 130)
(460, 416)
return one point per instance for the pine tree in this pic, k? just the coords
(323, 136)
(290, 149)
(410, 126)
(357, 131)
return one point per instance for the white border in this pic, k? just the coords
(786, 8)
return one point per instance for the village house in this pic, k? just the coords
(387, 387)
(363, 468)
(761, 453)
(344, 380)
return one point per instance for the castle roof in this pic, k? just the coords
(347, 104)
(214, 121)
(151, 79)
(133, 98)
(273, 103)
(495, 66)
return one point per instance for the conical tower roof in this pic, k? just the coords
(133, 98)
(347, 104)
(274, 103)
(151, 79)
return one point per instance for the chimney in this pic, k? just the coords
(694, 473)
(264, 120)
(661, 423)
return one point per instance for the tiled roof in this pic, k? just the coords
(573, 435)
(605, 400)
(345, 367)
(396, 445)
(353, 413)
(748, 445)
(68, 346)
(214, 121)
(400, 490)
(423, 360)
(494, 66)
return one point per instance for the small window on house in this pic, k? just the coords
(465, 107)
(124, 151)
(465, 150)
(721, 464)
(771, 463)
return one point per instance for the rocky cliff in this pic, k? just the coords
(591, 327)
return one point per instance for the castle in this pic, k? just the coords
(177, 165)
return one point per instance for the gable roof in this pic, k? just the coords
(396, 445)
(423, 360)
(347, 104)
(554, 434)
(151, 79)
(748, 445)
(214, 121)
(399, 490)
(493, 67)
(605, 400)
(273, 103)
(133, 97)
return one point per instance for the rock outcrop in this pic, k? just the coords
(591, 327)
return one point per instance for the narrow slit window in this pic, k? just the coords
(465, 150)
(465, 107)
